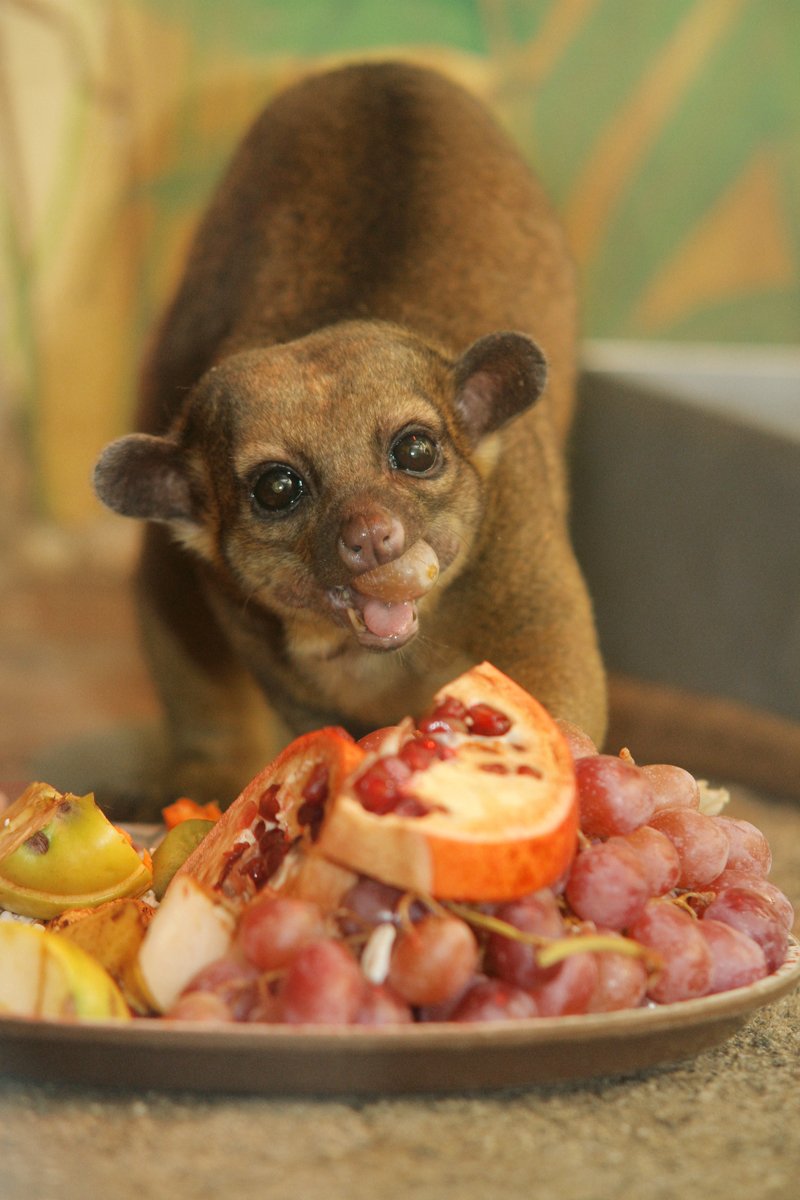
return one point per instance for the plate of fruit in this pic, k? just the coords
(474, 898)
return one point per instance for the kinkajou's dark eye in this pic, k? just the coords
(278, 488)
(415, 452)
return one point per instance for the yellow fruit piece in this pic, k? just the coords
(112, 933)
(61, 851)
(44, 975)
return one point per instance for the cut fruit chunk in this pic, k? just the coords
(112, 933)
(477, 802)
(44, 975)
(252, 843)
(190, 929)
(173, 850)
(61, 851)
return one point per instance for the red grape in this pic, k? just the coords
(515, 961)
(780, 903)
(380, 1006)
(368, 902)
(608, 884)
(658, 856)
(232, 980)
(736, 960)
(494, 1000)
(570, 988)
(749, 849)
(433, 959)
(323, 984)
(621, 982)
(580, 744)
(745, 909)
(273, 928)
(614, 795)
(672, 787)
(686, 958)
(701, 843)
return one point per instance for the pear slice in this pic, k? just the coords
(61, 851)
(44, 975)
(189, 930)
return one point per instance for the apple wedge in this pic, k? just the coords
(476, 802)
(44, 975)
(61, 851)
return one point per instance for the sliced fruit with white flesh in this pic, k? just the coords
(61, 851)
(190, 929)
(280, 809)
(478, 801)
(46, 976)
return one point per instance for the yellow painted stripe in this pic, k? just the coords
(561, 24)
(631, 132)
(742, 244)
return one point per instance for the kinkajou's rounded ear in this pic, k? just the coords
(144, 476)
(497, 378)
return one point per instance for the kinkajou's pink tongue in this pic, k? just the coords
(388, 620)
(405, 578)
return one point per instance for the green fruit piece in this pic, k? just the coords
(44, 975)
(173, 850)
(61, 851)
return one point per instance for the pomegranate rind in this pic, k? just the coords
(501, 836)
(289, 772)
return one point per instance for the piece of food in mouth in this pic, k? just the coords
(45, 975)
(384, 598)
(405, 578)
(477, 800)
(59, 851)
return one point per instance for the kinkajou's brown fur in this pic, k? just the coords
(366, 376)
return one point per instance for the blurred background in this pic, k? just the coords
(668, 134)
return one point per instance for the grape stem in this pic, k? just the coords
(550, 951)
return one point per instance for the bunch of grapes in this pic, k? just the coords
(663, 902)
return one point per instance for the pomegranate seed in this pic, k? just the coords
(311, 814)
(487, 721)
(381, 786)
(419, 753)
(316, 786)
(268, 803)
(231, 856)
(272, 849)
(448, 717)
(411, 806)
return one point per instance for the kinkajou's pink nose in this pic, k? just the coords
(370, 537)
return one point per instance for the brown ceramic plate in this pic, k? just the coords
(286, 1060)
